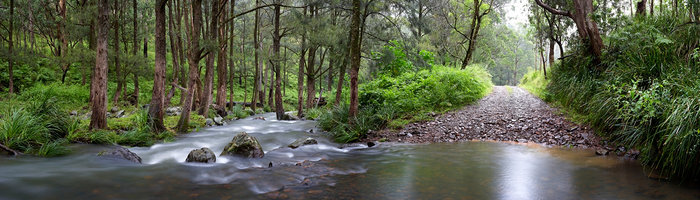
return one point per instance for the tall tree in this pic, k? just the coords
(221, 67)
(194, 56)
(586, 27)
(354, 59)
(98, 87)
(477, 19)
(155, 111)
(300, 75)
(117, 64)
(10, 45)
(62, 36)
(257, 88)
(206, 95)
(279, 108)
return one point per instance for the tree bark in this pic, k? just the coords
(194, 57)
(117, 64)
(354, 60)
(98, 86)
(221, 66)
(279, 108)
(310, 77)
(256, 79)
(300, 75)
(174, 55)
(62, 36)
(155, 111)
(206, 95)
(11, 57)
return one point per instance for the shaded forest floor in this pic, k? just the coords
(508, 114)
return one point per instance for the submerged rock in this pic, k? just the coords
(123, 153)
(301, 142)
(243, 145)
(209, 122)
(601, 152)
(203, 155)
(259, 118)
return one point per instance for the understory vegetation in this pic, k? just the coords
(536, 83)
(404, 93)
(644, 93)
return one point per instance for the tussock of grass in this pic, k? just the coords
(648, 95)
(534, 82)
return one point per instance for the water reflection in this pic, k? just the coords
(472, 170)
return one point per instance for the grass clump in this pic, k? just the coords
(535, 82)
(648, 95)
(395, 101)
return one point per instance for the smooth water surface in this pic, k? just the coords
(472, 170)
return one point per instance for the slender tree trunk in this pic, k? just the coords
(354, 59)
(98, 87)
(256, 79)
(117, 64)
(279, 108)
(10, 45)
(155, 111)
(221, 65)
(173, 53)
(194, 56)
(231, 26)
(62, 36)
(544, 66)
(310, 77)
(206, 95)
(300, 75)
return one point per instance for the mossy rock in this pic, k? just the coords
(302, 142)
(203, 155)
(243, 145)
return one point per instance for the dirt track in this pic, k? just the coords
(507, 114)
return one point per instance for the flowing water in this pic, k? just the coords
(471, 170)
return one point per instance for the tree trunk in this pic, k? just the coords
(117, 64)
(300, 75)
(206, 95)
(586, 27)
(641, 8)
(221, 66)
(194, 56)
(310, 77)
(62, 36)
(174, 55)
(279, 108)
(544, 65)
(231, 50)
(256, 45)
(155, 111)
(98, 87)
(354, 59)
(11, 57)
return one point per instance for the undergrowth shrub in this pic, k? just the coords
(399, 100)
(535, 82)
(647, 96)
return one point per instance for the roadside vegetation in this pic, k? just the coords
(404, 93)
(647, 97)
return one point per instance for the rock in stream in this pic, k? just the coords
(243, 145)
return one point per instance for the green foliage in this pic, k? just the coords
(397, 101)
(63, 96)
(25, 132)
(534, 82)
(392, 59)
(647, 97)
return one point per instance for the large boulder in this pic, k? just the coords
(203, 155)
(243, 145)
(122, 153)
(301, 142)
(173, 111)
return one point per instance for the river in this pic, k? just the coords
(469, 170)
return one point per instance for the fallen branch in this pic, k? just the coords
(13, 152)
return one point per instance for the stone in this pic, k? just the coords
(203, 155)
(119, 114)
(522, 141)
(243, 145)
(219, 120)
(601, 152)
(302, 142)
(371, 144)
(173, 111)
(259, 118)
(209, 122)
(287, 116)
(123, 154)
(114, 109)
(73, 113)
